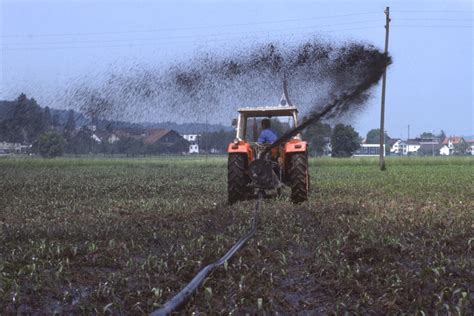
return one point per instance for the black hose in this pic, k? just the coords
(189, 289)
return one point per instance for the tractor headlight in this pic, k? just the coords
(236, 141)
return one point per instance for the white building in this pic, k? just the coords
(398, 147)
(193, 140)
(412, 146)
(13, 148)
(113, 139)
(470, 149)
(327, 151)
(444, 151)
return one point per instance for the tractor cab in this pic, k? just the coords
(252, 165)
(248, 127)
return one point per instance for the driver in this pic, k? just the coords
(267, 136)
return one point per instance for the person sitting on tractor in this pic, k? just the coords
(267, 136)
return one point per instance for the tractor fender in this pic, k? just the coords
(241, 148)
(296, 146)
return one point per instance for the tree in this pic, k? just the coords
(442, 135)
(82, 143)
(344, 141)
(318, 135)
(70, 126)
(50, 144)
(26, 122)
(216, 140)
(131, 146)
(47, 119)
(426, 135)
(461, 148)
(373, 136)
(55, 121)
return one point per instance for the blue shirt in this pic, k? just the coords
(267, 136)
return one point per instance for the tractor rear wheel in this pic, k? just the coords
(299, 177)
(237, 177)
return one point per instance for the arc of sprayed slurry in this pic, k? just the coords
(211, 85)
(189, 289)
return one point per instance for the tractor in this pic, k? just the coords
(253, 166)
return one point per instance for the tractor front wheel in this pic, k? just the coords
(299, 177)
(237, 177)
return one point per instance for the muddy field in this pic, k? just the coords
(104, 236)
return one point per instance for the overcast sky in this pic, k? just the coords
(46, 45)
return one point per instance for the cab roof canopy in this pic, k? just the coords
(268, 111)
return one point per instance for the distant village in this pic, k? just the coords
(421, 146)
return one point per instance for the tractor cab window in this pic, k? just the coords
(279, 125)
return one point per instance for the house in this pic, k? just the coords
(450, 144)
(412, 146)
(122, 134)
(429, 149)
(327, 149)
(165, 141)
(113, 138)
(398, 147)
(369, 150)
(444, 150)
(193, 140)
(154, 135)
(470, 148)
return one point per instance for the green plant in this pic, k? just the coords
(50, 144)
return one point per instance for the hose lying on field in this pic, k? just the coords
(189, 289)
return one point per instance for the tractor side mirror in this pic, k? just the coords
(234, 123)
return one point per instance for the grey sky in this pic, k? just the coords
(45, 45)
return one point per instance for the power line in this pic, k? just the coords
(433, 11)
(434, 26)
(431, 19)
(175, 43)
(194, 36)
(188, 28)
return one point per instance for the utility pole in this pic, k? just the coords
(432, 143)
(207, 136)
(382, 107)
(408, 141)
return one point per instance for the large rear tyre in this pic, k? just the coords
(237, 177)
(299, 177)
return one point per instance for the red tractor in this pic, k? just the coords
(254, 166)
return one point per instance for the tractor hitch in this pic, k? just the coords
(262, 174)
